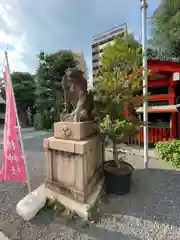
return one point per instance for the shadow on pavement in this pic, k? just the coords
(104, 234)
(153, 204)
(155, 197)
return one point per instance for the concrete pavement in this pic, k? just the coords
(150, 211)
(32, 141)
(27, 133)
(136, 150)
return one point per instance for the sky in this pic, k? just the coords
(29, 27)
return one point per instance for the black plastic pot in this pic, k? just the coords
(117, 180)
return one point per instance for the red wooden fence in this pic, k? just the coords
(154, 135)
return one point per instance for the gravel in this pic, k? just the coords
(150, 211)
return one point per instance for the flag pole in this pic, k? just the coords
(18, 126)
(144, 6)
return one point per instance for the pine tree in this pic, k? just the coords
(117, 81)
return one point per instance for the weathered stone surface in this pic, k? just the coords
(80, 208)
(72, 146)
(30, 205)
(75, 93)
(73, 167)
(74, 130)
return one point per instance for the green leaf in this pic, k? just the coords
(116, 82)
(49, 93)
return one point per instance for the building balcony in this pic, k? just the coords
(95, 60)
(110, 33)
(95, 64)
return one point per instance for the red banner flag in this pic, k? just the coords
(13, 167)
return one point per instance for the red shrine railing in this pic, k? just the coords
(154, 135)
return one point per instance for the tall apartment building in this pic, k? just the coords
(100, 41)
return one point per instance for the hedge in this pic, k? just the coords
(169, 151)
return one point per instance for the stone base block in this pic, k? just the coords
(72, 193)
(73, 167)
(30, 205)
(74, 130)
(81, 209)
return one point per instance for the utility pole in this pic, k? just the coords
(144, 7)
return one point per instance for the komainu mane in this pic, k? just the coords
(77, 97)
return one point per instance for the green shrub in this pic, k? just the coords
(170, 151)
(43, 122)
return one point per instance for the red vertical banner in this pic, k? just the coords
(13, 167)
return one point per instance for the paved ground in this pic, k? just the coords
(152, 208)
(136, 149)
(27, 133)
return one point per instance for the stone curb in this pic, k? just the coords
(3, 237)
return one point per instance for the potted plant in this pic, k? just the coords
(116, 86)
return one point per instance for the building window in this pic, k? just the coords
(95, 45)
(95, 52)
(95, 68)
(95, 60)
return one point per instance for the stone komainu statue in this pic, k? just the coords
(77, 97)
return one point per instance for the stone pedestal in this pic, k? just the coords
(74, 130)
(73, 167)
